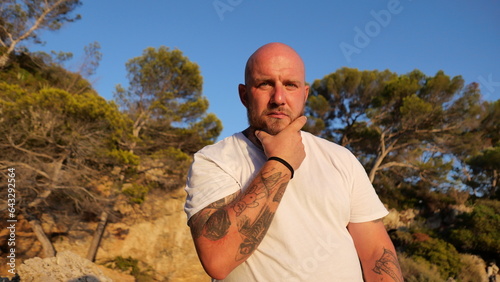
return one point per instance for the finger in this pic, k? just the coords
(261, 135)
(297, 124)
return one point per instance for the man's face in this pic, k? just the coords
(275, 92)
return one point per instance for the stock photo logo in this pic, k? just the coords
(363, 37)
(488, 84)
(223, 6)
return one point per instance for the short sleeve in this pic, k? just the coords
(365, 204)
(206, 183)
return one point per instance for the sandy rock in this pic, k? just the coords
(66, 266)
(397, 219)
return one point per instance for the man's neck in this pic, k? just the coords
(250, 134)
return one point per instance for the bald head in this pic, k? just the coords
(275, 91)
(272, 50)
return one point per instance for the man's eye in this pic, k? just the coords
(291, 85)
(264, 84)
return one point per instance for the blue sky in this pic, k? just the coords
(460, 37)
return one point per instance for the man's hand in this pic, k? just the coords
(287, 144)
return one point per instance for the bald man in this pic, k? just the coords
(274, 203)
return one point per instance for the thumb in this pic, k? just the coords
(261, 135)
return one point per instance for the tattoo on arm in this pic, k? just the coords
(388, 263)
(271, 180)
(250, 200)
(253, 232)
(199, 220)
(213, 222)
(281, 191)
(217, 225)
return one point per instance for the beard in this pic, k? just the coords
(273, 126)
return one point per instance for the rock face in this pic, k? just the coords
(66, 266)
(395, 219)
(153, 235)
(162, 241)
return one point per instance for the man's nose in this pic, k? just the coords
(279, 95)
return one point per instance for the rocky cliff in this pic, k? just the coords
(151, 241)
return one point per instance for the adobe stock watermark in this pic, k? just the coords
(11, 220)
(224, 6)
(363, 37)
(488, 84)
(324, 250)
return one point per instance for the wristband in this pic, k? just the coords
(285, 163)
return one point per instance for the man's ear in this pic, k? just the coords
(242, 90)
(306, 89)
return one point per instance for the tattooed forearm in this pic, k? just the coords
(388, 263)
(250, 200)
(260, 190)
(281, 191)
(270, 181)
(253, 232)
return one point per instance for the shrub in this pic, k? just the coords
(479, 231)
(131, 266)
(418, 270)
(437, 252)
(472, 269)
(136, 193)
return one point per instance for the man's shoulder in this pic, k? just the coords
(230, 141)
(323, 143)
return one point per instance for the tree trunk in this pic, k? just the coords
(383, 151)
(494, 182)
(48, 248)
(4, 59)
(96, 240)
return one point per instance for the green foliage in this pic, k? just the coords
(489, 159)
(417, 113)
(491, 123)
(418, 270)
(435, 251)
(120, 156)
(165, 102)
(24, 20)
(171, 153)
(60, 143)
(35, 71)
(135, 192)
(89, 108)
(485, 166)
(132, 266)
(164, 85)
(409, 130)
(472, 268)
(340, 100)
(126, 264)
(479, 231)
(168, 116)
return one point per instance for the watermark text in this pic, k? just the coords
(363, 36)
(11, 220)
(223, 6)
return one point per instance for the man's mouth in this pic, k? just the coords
(279, 115)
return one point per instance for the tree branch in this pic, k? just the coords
(35, 26)
(391, 164)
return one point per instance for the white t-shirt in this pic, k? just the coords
(308, 239)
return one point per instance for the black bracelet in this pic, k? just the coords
(285, 163)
